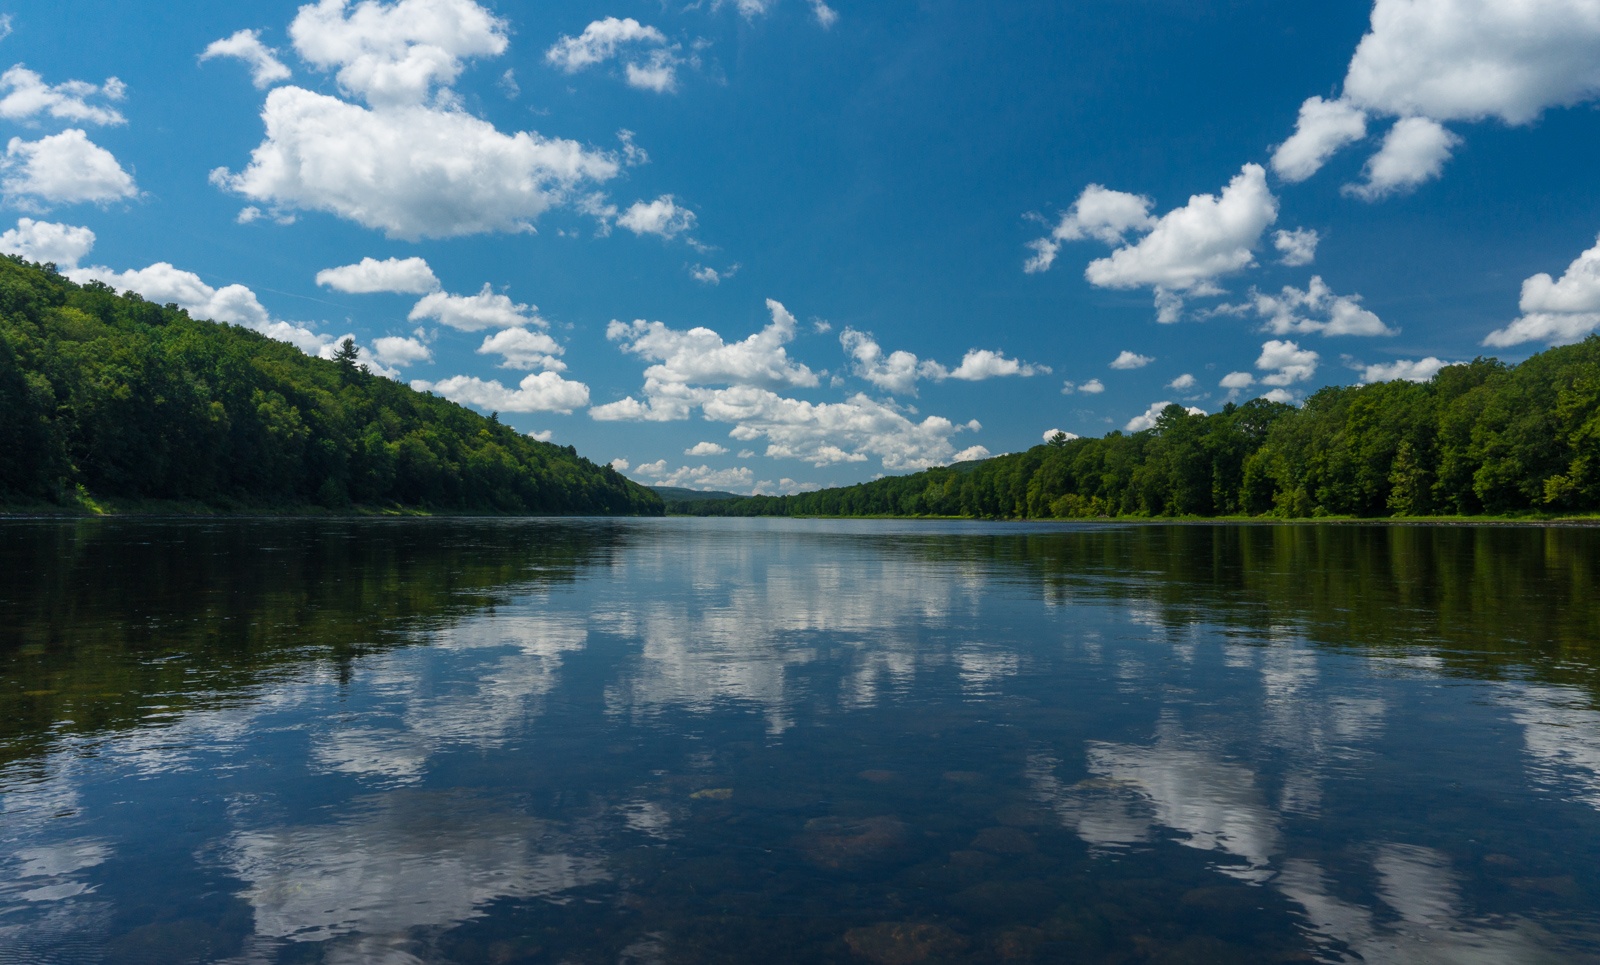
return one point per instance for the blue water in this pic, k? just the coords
(724, 740)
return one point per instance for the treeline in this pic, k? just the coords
(1480, 439)
(115, 397)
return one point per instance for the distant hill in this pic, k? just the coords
(1480, 439)
(110, 397)
(677, 494)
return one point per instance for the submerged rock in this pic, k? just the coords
(903, 942)
(836, 843)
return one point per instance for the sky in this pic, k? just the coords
(773, 245)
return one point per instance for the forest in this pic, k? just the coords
(1480, 439)
(108, 397)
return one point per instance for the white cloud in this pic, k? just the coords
(971, 454)
(1316, 309)
(1414, 151)
(473, 313)
(544, 435)
(705, 275)
(980, 363)
(1091, 387)
(508, 84)
(1430, 61)
(1131, 360)
(1298, 247)
(395, 53)
(46, 241)
(408, 170)
(1323, 128)
(1557, 311)
(1280, 395)
(899, 370)
(1287, 362)
(265, 67)
(162, 283)
(1188, 248)
(65, 168)
(539, 392)
(1147, 420)
(397, 351)
(698, 477)
(1420, 370)
(1099, 213)
(1237, 381)
(5, 25)
(663, 216)
(523, 349)
(653, 69)
(405, 276)
(1474, 59)
(658, 72)
(1182, 382)
(700, 356)
(705, 449)
(620, 464)
(896, 372)
(1052, 433)
(27, 96)
(690, 363)
(826, 15)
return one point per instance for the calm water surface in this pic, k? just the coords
(794, 741)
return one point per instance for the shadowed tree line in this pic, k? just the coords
(115, 397)
(1484, 438)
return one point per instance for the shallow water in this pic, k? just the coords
(723, 740)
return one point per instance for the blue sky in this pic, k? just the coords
(766, 245)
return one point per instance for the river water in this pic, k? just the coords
(797, 741)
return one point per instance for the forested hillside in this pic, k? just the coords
(114, 397)
(1479, 439)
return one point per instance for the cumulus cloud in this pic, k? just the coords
(1419, 370)
(46, 241)
(524, 350)
(900, 370)
(395, 53)
(1432, 61)
(539, 392)
(162, 283)
(265, 67)
(1050, 434)
(397, 351)
(1237, 381)
(1148, 419)
(65, 168)
(1099, 213)
(1183, 382)
(708, 276)
(410, 171)
(473, 313)
(699, 356)
(1322, 129)
(652, 65)
(1187, 249)
(1286, 363)
(26, 96)
(405, 276)
(1557, 311)
(620, 464)
(1315, 309)
(980, 363)
(1298, 247)
(1474, 59)
(705, 449)
(1183, 252)
(1414, 151)
(1091, 387)
(697, 477)
(1131, 360)
(732, 382)
(663, 216)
